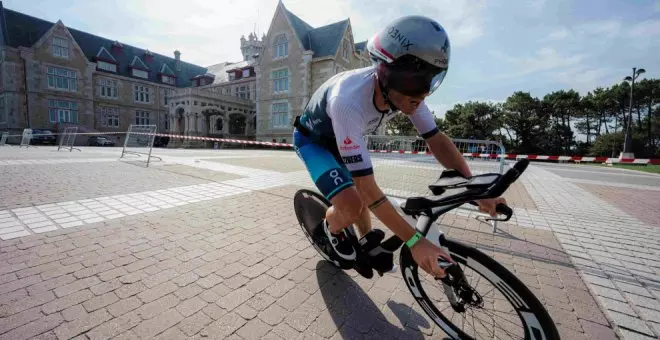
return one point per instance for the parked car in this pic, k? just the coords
(100, 141)
(43, 137)
(161, 141)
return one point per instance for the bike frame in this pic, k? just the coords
(423, 222)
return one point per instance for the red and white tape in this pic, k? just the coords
(465, 154)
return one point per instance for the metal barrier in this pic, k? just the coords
(26, 138)
(3, 139)
(404, 166)
(139, 141)
(67, 139)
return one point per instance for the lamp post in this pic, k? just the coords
(627, 142)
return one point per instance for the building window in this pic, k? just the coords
(62, 111)
(280, 115)
(281, 81)
(62, 79)
(166, 95)
(108, 88)
(281, 46)
(141, 94)
(60, 47)
(346, 49)
(243, 92)
(104, 66)
(3, 113)
(140, 73)
(246, 73)
(168, 79)
(142, 117)
(109, 116)
(166, 123)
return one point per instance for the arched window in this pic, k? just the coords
(281, 48)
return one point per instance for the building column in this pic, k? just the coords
(188, 116)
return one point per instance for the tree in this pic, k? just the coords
(563, 105)
(525, 122)
(476, 120)
(400, 125)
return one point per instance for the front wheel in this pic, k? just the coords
(490, 304)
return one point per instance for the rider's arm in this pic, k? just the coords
(348, 125)
(373, 197)
(442, 148)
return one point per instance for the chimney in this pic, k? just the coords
(177, 57)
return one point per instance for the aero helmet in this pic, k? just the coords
(411, 55)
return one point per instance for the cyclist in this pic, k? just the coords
(411, 58)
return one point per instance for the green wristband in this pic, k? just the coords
(411, 242)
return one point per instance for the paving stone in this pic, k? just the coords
(235, 298)
(74, 312)
(194, 323)
(154, 308)
(19, 319)
(597, 331)
(191, 306)
(254, 329)
(149, 328)
(34, 328)
(156, 292)
(224, 326)
(273, 314)
(100, 301)
(124, 306)
(630, 322)
(75, 327)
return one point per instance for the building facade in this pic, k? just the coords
(296, 59)
(52, 76)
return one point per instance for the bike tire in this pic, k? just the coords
(310, 208)
(535, 319)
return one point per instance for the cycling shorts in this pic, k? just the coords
(326, 169)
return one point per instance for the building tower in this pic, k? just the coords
(251, 47)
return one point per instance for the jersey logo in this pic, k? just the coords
(348, 145)
(352, 159)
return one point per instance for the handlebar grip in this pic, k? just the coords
(503, 183)
(504, 209)
(521, 165)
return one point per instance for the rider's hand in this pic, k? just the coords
(488, 205)
(426, 256)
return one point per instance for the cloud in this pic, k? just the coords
(645, 29)
(583, 79)
(559, 34)
(545, 59)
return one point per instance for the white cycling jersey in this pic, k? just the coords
(343, 110)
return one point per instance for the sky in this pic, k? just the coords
(498, 46)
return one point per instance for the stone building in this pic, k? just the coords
(53, 76)
(296, 59)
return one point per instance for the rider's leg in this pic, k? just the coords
(346, 209)
(364, 222)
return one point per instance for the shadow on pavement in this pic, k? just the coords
(356, 316)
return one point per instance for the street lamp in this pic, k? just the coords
(627, 142)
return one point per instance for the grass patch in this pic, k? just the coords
(646, 168)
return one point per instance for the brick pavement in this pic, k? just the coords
(643, 204)
(238, 267)
(616, 252)
(36, 184)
